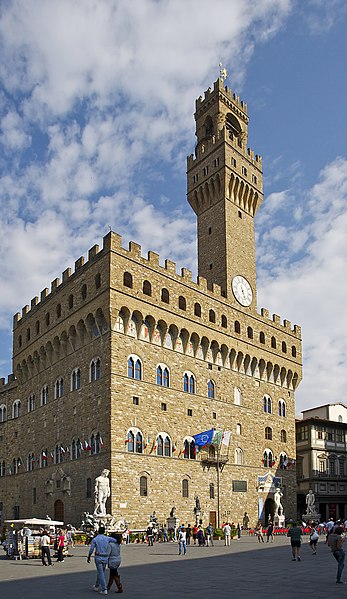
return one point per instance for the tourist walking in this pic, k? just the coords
(209, 534)
(45, 550)
(61, 545)
(258, 531)
(114, 561)
(99, 546)
(195, 533)
(201, 537)
(182, 541)
(314, 536)
(188, 533)
(227, 533)
(149, 534)
(335, 544)
(295, 540)
(270, 533)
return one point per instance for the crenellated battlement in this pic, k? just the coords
(218, 87)
(209, 146)
(6, 385)
(113, 242)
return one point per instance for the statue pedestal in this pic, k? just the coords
(104, 520)
(279, 521)
(311, 517)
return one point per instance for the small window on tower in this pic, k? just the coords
(240, 214)
(211, 266)
(209, 230)
(233, 162)
(244, 171)
(205, 171)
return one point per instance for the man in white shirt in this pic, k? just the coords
(227, 534)
(182, 541)
(45, 551)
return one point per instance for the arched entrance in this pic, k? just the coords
(59, 510)
(269, 510)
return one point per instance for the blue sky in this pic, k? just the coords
(96, 121)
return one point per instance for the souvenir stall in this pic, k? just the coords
(23, 536)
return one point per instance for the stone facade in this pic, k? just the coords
(124, 360)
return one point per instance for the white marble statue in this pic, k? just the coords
(278, 505)
(101, 493)
(310, 503)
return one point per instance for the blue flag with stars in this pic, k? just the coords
(204, 438)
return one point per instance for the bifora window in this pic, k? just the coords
(134, 441)
(188, 382)
(95, 369)
(163, 445)
(162, 375)
(134, 368)
(189, 450)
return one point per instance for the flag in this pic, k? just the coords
(62, 449)
(52, 456)
(204, 438)
(101, 442)
(174, 447)
(217, 437)
(44, 456)
(86, 446)
(226, 438)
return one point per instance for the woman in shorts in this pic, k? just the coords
(314, 536)
(114, 561)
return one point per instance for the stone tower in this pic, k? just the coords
(225, 190)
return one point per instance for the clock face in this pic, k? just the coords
(242, 290)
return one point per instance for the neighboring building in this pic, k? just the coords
(321, 438)
(124, 360)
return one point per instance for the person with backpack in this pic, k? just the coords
(314, 536)
(182, 541)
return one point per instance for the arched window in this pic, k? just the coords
(134, 368)
(95, 370)
(189, 382)
(211, 490)
(262, 337)
(332, 465)
(182, 304)
(76, 449)
(342, 466)
(58, 388)
(84, 291)
(284, 347)
(143, 486)
(135, 441)
(208, 125)
(37, 327)
(28, 334)
(238, 429)
(58, 456)
(3, 412)
(163, 375)
(238, 456)
(268, 458)
(212, 316)
(58, 310)
(268, 433)
(197, 310)
(147, 288)
(211, 389)
(249, 332)
(282, 408)
(44, 395)
(283, 461)
(273, 342)
(237, 396)
(283, 436)
(70, 301)
(163, 445)
(2, 468)
(267, 404)
(20, 340)
(31, 402)
(293, 351)
(224, 321)
(189, 449)
(97, 281)
(43, 458)
(30, 462)
(75, 379)
(128, 280)
(237, 327)
(165, 296)
(16, 408)
(185, 488)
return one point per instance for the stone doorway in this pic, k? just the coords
(269, 510)
(59, 510)
(213, 519)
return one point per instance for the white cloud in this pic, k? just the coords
(311, 288)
